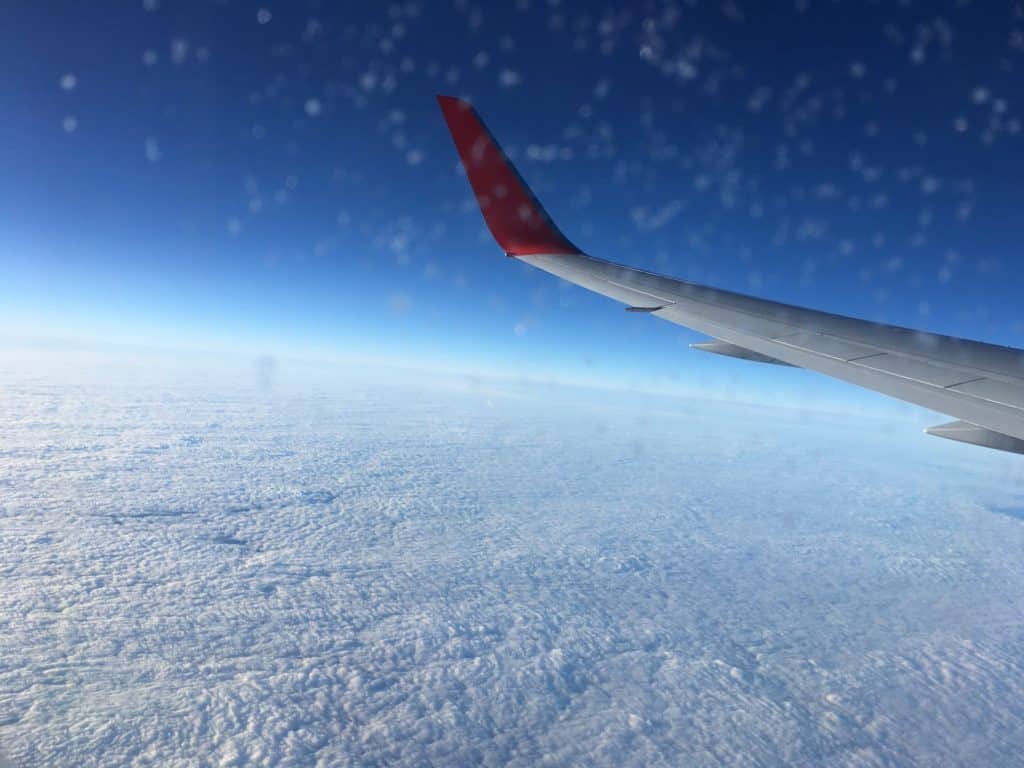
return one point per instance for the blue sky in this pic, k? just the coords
(276, 177)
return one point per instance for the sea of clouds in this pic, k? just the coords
(496, 573)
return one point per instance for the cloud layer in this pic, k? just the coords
(367, 577)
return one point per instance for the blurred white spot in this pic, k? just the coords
(68, 82)
(414, 157)
(313, 30)
(827, 191)
(980, 95)
(234, 227)
(509, 78)
(149, 57)
(686, 70)
(960, 124)
(399, 303)
(263, 16)
(759, 98)
(313, 107)
(266, 369)
(520, 329)
(648, 221)
(152, 148)
(149, 6)
(179, 50)
(857, 70)
(70, 124)
(548, 153)
(733, 12)
(481, 59)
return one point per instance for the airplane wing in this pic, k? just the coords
(981, 385)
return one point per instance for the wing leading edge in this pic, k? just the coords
(981, 385)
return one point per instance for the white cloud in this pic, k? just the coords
(151, 147)
(403, 575)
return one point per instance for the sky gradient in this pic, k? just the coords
(276, 178)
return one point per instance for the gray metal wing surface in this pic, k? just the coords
(981, 385)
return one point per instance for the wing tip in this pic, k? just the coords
(517, 220)
(447, 101)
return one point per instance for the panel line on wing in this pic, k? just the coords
(866, 357)
(992, 391)
(929, 372)
(969, 381)
(634, 289)
(829, 346)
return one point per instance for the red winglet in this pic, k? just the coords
(515, 217)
